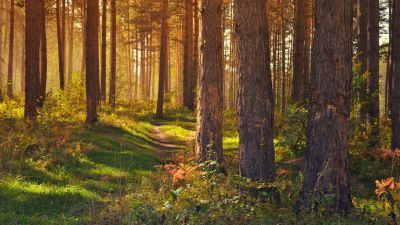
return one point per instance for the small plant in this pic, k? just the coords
(386, 188)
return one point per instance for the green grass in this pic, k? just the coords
(70, 183)
(81, 174)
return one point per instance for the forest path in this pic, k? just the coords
(165, 146)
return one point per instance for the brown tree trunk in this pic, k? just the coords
(210, 105)
(31, 59)
(92, 60)
(103, 51)
(195, 68)
(60, 45)
(1, 51)
(11, 52)
(373, 69)
(163, 69)
(113, 53)
(362, 12)
(307, 48)
(395, 59)
(298, 66)
(389, 67)
(83, 24)
(257, 157)
(326, 169)
(283, 34)
(129, 54)
(43, 54)
(143, 64)
(188, 55)
(71, 42)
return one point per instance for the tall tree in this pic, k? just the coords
(1, 51)
(298, 67)
(395, 70)
(257, 157)
(11, 51)
(188, 55)
(61, 61)
(83, 25)
(92, 60)
(195, 65)
(43, 53)
(210, 105)
(163, 69)
(71, 42)
(31, 58)
(283, 62)
(103, 51)
(326, 169)
(362, 11)
(113, 53)
(373, 69)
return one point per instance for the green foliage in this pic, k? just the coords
(293, 133)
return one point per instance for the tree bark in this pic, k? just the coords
(298, 66)
(83, 24)
(71, 42)
(92, 60)
(283, 66)
(163, 69)
(188, 55)
(326, 169)
(195, 69)
(11, 52)
(210, 101)
(1, 51)
(103, 51)
(31, 59)
(60, 46)
(257, 157)
(362, 53)
(113, 53)
(395, 60)
(373, 69)
(43, 55)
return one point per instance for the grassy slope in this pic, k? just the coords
(71, 187)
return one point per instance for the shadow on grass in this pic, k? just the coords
(69, 189)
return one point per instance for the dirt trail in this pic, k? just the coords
(165, 147)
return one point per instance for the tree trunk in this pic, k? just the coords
(103, 50)
(210, 105)
(71, 42)
(195, 68)
(373, 69)
(283, 34)
(31, 59)
(362, 53)
(92, 60)
(83, 24)
(257, 157)
(188, 55)
(113, 53)
(11, 52)
(298, 67)
(129, 54)
(395, 59)
(163, 69)
(1, 51)
(43, 54)
(326, 169)
(60, 45)
(307, 48)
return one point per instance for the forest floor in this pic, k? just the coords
(131, 168)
